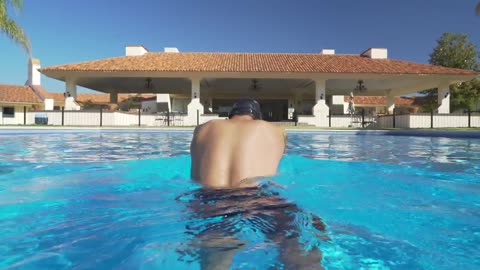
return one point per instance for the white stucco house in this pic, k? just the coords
(207, 84)
(15, 100)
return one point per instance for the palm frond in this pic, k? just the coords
(17, 4)
(6, 4)
(477, 10)
(10, 28)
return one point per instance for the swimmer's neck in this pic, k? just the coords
(245, 117)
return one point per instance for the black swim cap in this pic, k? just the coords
(246, 106)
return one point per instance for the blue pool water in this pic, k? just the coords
(122, 201)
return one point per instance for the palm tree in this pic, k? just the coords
(9, 27)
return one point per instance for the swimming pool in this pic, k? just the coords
(116, 200)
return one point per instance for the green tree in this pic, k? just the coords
(90, 105)
(455, 51)
(430, 103)
(132, 102)
(478, 9)
(465, 95)
(11, 28)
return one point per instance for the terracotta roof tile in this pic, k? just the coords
(382, 100)
(105, 98)
(40, 91)
(95, 98)
(36, 94)
(18, 93)
(256, 62)
(56, 96)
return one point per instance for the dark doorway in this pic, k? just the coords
(274, 110)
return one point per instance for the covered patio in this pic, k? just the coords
(206, 84)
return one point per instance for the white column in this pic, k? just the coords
(33, 73)
(291, 107)
(71, 95)
(210, 104)
(390, 102)
(71, 89)
(195, 91)
(195, 104)
(114, 98)
(444, 99)
(320, 110)
(49, 104)
(320, 90)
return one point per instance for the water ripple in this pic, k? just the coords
(125, 201)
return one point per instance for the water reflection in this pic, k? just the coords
(70, 148)
(445, 154)
(57, 215)
(438, 153)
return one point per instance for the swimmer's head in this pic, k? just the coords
(246, 107)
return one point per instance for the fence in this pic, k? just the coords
(124, 119)
(422, 120)
(430, 120)
(355, 120)
(97, 118)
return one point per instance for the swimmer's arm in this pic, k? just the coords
(285, 139)
(193, 168)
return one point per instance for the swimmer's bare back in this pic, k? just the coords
(227, 152)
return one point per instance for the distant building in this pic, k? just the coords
(376, 105)
(207, 84)
(15, 99)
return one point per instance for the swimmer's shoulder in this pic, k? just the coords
(216, 125)
(271, 126)
(276, 129)
(209, 124)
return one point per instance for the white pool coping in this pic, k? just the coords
(10, 130)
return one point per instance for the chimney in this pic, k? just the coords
(376, 53)
(135, 50)
(327, 51)
(33, 73)
(171, 50)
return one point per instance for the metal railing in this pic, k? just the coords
(467, 119)
(359, 119)
(100, 118)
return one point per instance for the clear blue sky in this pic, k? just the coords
(71, 31)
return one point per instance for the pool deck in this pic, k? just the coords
(451, 133)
